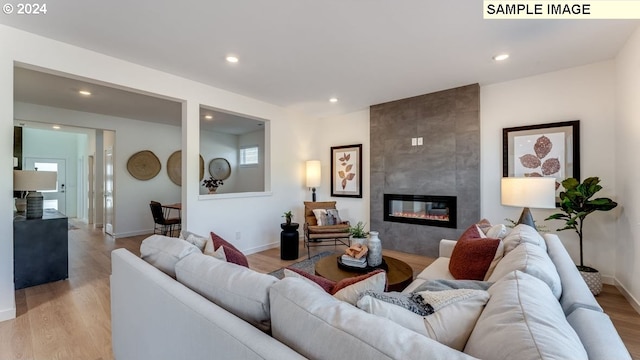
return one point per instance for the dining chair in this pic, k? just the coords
(162, 224)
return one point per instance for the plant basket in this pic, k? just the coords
(592, 277)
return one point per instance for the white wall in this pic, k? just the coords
(349, 129)
(131, 196)
(627, 170)
(251, 178)
(213, 145)
(584, 93)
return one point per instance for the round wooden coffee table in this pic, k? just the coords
(399, 275)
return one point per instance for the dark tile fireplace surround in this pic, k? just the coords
(447, 165)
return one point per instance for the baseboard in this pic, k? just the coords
(133, 233)
(261, 248)
(633, 301)
(7, 314)
(609, 280)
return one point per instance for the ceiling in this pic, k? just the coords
(299, 53)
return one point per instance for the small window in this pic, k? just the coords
(249, 155)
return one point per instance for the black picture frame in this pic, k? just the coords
(346, 171)
(562, 143)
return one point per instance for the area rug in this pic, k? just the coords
(308, 265)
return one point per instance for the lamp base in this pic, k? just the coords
(526, 218)
(21, 205)
(35, 202)
(313, 194)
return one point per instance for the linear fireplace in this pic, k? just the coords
(421, 209)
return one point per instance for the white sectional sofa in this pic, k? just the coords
(218, 310)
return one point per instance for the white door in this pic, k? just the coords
(108, 191)
(53, 199)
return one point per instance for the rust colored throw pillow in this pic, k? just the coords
(231, 252)
(349, 289)
(472, 255)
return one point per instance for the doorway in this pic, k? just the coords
(53, 199)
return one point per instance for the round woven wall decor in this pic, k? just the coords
(174, 167)
(219, 168)
(144, 165)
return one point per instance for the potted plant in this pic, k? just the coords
(288, 216)
(358, 234)
(576, 203)
(212, 184)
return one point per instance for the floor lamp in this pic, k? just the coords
(313, 176)
(528, 192)
(33, 181)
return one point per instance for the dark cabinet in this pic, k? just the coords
(40, 249)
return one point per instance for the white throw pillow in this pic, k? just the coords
(455, 314)
(321, 216)
(532, 260)
(520, 234)
(497, 231)
(197, 240)
(164, 252)
(523, 320)
(218, 254)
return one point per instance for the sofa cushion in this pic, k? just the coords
(473, 255)
(523, 320)
(520, 234)
(349, 289)
(532, 260)
(302, 313)
(575, 292)
(598, 335)
(235, 288)
(454, 314)
(164, 252)
(497, 231)
(232, 254)
(442, 284)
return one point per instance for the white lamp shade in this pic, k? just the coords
(313, 173)
(31, 180)
(533, 192)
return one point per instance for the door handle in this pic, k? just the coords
(61, 188)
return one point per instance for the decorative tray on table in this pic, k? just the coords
(363, 270)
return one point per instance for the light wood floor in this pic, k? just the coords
(71, 319)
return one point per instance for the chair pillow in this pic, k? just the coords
(164, 252)
(473, 255)
(321, 216)
(347, 290)
(232, 254)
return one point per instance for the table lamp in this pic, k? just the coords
(33, 181)
(313, 176)
(528, 192)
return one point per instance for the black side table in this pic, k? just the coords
(289, 241)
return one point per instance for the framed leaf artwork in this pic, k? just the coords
(346, 171)
(544, 150)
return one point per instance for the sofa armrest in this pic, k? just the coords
(446, 247)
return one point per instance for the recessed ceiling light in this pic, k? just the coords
(84, 92)
(57, 127)
(501, 57)
(333, 100)
(208, 117)
(232, 59)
